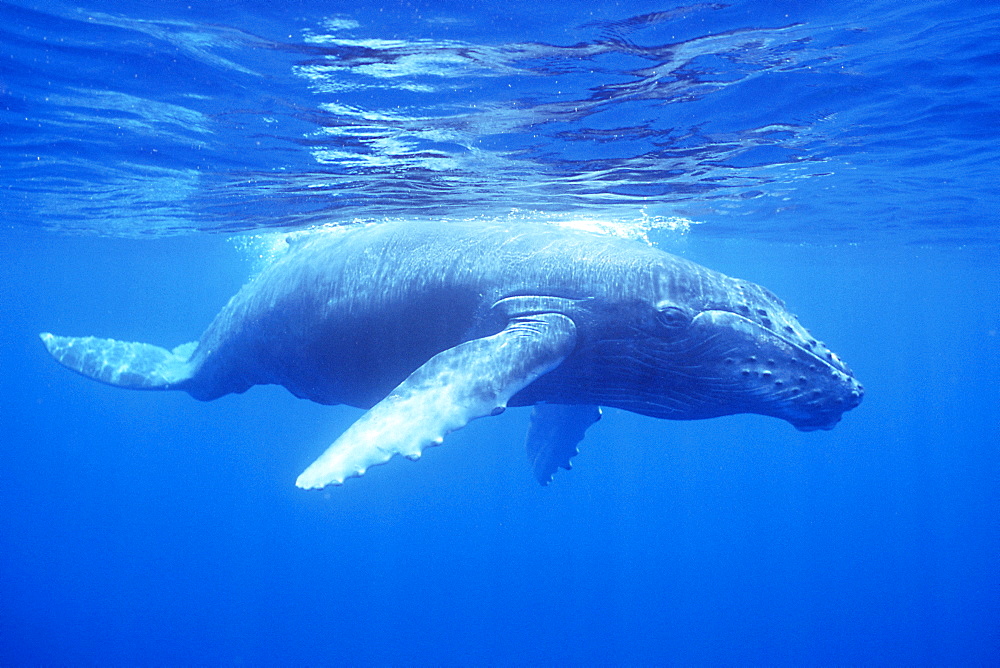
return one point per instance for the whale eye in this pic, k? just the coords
(672, 317)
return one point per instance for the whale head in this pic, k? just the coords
(705, 345)
(737, 349)
(764, 361)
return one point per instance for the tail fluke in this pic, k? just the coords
(139, 366)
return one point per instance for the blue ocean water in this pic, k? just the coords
(844, 155)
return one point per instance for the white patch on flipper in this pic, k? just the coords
(454, 387)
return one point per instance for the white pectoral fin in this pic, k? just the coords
(471, 380)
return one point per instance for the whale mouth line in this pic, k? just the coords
(813, 426)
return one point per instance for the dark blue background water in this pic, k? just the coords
(843, 156)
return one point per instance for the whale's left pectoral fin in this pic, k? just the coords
(474, 379)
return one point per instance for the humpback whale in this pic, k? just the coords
(430, 325)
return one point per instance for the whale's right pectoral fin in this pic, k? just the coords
(139, 366)
(474, 379)
(554, 434)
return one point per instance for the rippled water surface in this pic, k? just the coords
(842, 122)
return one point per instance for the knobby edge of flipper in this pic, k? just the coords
(137, 366)
(472, 380)
(554, 434)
